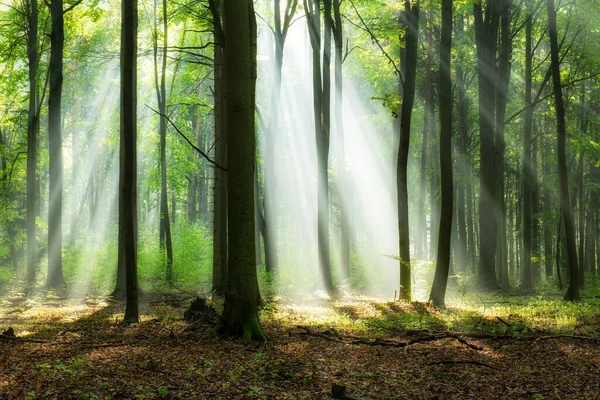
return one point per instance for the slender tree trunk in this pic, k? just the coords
(161, 95)
(438, 291)
(412, 41)
(580, 188)
(565, 207)
(504, 68)
(240, 310)
(321, 105)
(338, 38)
(270, 193)
(220, 176)
(33, 127)
(128, 158)
(55, 274)
(421, 228)
(526, 277)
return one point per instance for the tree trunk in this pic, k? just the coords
(321, 105)
(580, 188)
(128, 158)
(55, 274)
(270, 192)
(33, 128)
(486, 39)
(438, 291)
(565, 207)
(504, 68)
(421, 226)
(161, 95)
(412, 41)
(338, 38)
(220, 176)
(526, 277)
(240, 311)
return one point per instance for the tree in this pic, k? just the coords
(220, 182)
(502, 84)
(338, 39)
(33, 128)
(412, 42)
(240, 311)
(526, 278)
(280, 31)
(57, 40)
(561, 137)
(161, 96)
(486, 32)
(322, 119)
(128, 158)
(438, 291)
(57, 37)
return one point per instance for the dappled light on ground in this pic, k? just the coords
(377, 350)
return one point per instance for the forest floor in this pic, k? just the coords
(497, 349)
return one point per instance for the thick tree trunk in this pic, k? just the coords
(55, 274)
(438, 291)
(486, 38)
(128, 158)
(565, 207)
(412, 41)
(240, 311)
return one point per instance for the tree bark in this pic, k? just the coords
(161, 96)
(565, 207)
(338, 38)
(438, 291)
(526, 277)
(421, 228)
(240, 310)
(33, 128)
(55, 276)
(503, 82)
(322, 117)
(128, 158)
(412, 41)
(220, 177)
(486, 32)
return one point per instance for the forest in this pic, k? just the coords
(299, 199)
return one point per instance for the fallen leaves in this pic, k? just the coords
(95, 357)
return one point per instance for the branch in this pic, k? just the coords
(72, 6)
(366, 28)
(450, 362)
(203, 154)
(540, 99)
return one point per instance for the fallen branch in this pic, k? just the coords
(473, 362)
(24, 340)
(350, 339)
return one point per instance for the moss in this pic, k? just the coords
(250, 330)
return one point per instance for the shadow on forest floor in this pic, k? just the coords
(78, 349)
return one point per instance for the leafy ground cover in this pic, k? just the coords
(478, 348)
